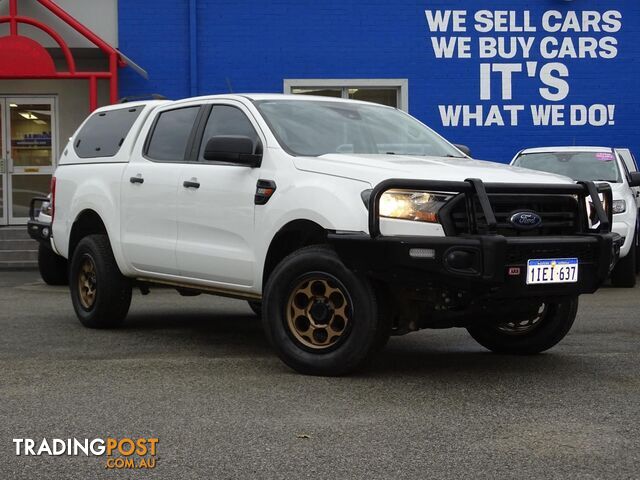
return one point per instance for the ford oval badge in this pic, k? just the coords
(525, 220)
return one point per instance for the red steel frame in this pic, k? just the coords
(44, 72)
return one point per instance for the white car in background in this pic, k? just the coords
(614, 166)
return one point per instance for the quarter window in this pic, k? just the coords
(225, 120)
(104, 132)
(171, 133)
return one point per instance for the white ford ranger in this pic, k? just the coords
(344, 221)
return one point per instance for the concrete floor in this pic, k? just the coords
(198, 374)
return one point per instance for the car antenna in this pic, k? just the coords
(229, 84)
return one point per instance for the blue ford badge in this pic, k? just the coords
(525, 220)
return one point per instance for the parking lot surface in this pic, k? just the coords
(197, 373)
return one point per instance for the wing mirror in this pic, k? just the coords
(463, 148)
(634, 179)
(233, 149)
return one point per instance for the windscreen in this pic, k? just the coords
(314, 128)
(581, 166)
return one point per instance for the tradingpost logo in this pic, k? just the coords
(120, 453)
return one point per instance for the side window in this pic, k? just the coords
(227, 121)
(104, 132)
(170, 134)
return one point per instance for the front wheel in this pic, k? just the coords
(256, 307)
(100, 294)
(542, 331)
(321, 318)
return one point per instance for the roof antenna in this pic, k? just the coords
(229, 84)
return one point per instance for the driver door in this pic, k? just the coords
(215, 205)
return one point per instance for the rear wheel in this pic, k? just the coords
(101, 295)
(536, 334)
(321, 317)
(624, 273)
(52, 267)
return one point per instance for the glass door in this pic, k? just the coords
(4, 153)
(31, 149)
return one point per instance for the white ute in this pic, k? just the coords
(600, 164)
(341, 222)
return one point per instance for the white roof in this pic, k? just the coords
(565, 149)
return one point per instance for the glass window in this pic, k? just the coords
(225, 120)
(31, 135)
(104, 132)
(582, 166)
(322, 92)
(170, 134)
(389, 92)
(383, 96)
(314, 128)
(24, 188)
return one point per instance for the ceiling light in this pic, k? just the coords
(40, 122)
(13, 105)
(28, 115)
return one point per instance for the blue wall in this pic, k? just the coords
(254, 45)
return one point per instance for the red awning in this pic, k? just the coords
(23, 57)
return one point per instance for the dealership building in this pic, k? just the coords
(494, 75)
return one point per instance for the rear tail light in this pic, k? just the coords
(53, 198)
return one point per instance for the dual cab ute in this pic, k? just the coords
(343, 222)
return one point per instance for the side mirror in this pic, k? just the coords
(233, 149)
(463, 148)
(634, 179)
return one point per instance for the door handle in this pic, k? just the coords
(190, 184)
(136, 180)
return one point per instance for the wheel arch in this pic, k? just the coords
(290, 237)
(87, 222)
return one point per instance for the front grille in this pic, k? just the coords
(560, 215)
(519, 254)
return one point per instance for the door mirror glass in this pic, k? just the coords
(233, 149)
(634, 179)
(463, 148)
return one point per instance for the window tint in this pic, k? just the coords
(227, 121)
(104, 132)
(171, 134)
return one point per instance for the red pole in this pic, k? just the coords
(93, 93)
(13, 12)
(113, 82)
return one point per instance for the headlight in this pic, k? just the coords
(411, 205)
(619, 206)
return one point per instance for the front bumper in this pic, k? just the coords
(487, 264)
(492, 265)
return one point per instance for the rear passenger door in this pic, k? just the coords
(149, 189)
(216, 204)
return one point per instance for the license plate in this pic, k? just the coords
(552, 270)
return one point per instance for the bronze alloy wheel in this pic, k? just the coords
(87, 283)
(319, 311)
(522, 327)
